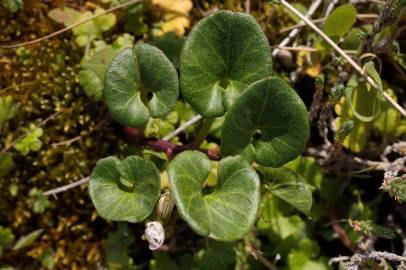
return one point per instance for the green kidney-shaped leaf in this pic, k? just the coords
(340, 21)
(91, 83)
(289, 186)
(230, 210)
(124, 190)
(268, 122)
(224, 53)
(100, 60)
(139, 83)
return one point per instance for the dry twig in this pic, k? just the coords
(187, 124)
(315, 4)
(321, 20)
(357, 260)
(67, 187)
(31, 42)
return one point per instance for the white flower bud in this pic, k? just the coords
(155, 234)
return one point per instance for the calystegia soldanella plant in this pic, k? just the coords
(225, 71)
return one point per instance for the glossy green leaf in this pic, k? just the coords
(308, 169)
(124, 190)
(353, 40)
(290, 187)
(278, 225)
(133, 77)
(224, 53)
(357, 138)
(100, 60)
(171, 45)
(28, 239)
(292, 15)
(369, 68)
(389, 121)
(229, 211)
(268, 122)
(298, 194)
(340, 21)
(91, 83)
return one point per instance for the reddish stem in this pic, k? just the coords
(341, 233)
(170, 149)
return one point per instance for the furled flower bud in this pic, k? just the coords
(155, 234)
(344, 130)
(165, 205)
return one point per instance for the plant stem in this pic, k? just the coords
(315, 4)
(201, 135)
(170, 149)
(321, 20)
(357, 67)
(309, 49)
(330, 7)
(247, 6)
(187, 124)
(67, 187)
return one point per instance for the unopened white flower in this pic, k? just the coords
(155, 234)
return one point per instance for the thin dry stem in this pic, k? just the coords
(247, 6)
(309, 49)
(315, 4)
(67, 187)
(187, 124)
(321, 20)
(31, 42)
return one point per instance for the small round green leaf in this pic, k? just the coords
(229, 211)
(268, 123)
(224, 53)
(139, 83)
(124, 190)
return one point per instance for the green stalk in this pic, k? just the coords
(201, 135)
